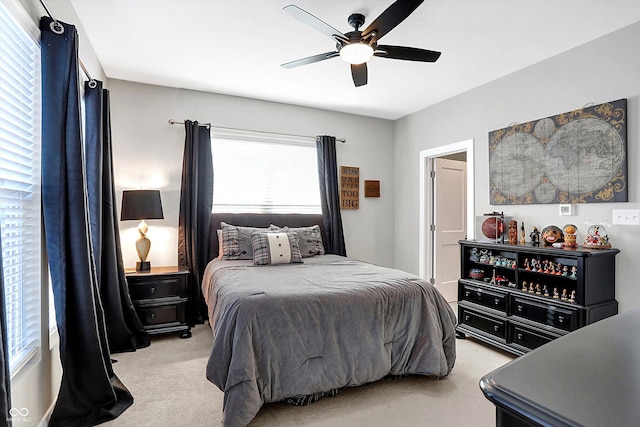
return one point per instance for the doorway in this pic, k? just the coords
(439, 261)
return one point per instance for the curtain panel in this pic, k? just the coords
(329, 195)
(90, 392)
(124, 329)
(196, 201)
(5, 377)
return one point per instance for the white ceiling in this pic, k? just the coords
(236, 47)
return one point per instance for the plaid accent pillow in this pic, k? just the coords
(275, 248)
(236, 241)
(309, 239)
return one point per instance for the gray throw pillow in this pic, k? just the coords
(309, 239)
(236, 241)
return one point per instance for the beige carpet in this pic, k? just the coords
(167, 380)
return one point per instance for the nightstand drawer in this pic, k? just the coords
(142, 287)
(155, 315)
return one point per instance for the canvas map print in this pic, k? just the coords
(574, 157)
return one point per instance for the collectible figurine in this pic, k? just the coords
(556, 295)
(574, 272)
(572, 298)
(565, 270)
(524, 286)
(551, 234)
(527, 266)
(474, 255)
(545, 291)
(558, 271)
(563, 297)
(522, 240)
(570, 235)
(513, 232)
(535, 236)
(545, 266)
(531, 287)
(538, 290)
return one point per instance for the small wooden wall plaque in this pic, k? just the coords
(371, 188)
(349, 187)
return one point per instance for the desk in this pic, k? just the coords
(590, 377)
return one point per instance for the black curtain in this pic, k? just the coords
(124, 329)
(5, 381)
(196, 200)
(329, 196)
(90, 393)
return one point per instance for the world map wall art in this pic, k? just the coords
(574, 157)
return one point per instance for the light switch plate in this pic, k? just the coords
(625, 217)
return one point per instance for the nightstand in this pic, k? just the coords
(160, 299)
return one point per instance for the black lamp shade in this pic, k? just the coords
(141, 204)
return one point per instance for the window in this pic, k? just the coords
(256, 173)
(20, 216)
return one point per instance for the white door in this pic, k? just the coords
(449, 182)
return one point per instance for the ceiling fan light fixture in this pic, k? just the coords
(356, 53)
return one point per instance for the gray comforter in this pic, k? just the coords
(291, 330)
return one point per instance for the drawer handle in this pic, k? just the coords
(560, 319)
(496, 301)
(466, 317)
(479, 292)
(153, 315)
(152, 290)
(519, 337)
(496, 328)
(467, 293)
(520, 309)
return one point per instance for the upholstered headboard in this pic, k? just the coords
(261, 220)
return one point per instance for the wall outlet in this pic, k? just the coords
(626, 217)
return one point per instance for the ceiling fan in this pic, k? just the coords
(357, 47)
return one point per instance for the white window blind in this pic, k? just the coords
(20, 216)
(256, 173)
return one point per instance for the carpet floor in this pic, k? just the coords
(167, 380)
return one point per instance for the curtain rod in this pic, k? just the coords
(210, 126)
(59, 29)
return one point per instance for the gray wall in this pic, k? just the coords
(603, 70)
(148, 154)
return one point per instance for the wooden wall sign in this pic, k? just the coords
(371, 188)
(349, 187)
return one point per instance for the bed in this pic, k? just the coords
(309, 328)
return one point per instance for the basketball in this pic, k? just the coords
(492, 228)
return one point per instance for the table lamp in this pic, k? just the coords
(141, 205)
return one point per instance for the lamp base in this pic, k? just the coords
(143, 266)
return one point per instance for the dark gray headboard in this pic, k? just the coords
(261, 220)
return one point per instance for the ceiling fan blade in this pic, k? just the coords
(406, 53)
(311, 59)
(359, 74)
(316, 23)
(392, 16)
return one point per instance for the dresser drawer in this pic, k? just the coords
(160, 315)
(143, 287)
(485, 297)
(547, 314)
(528, 338)
(494, 326)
